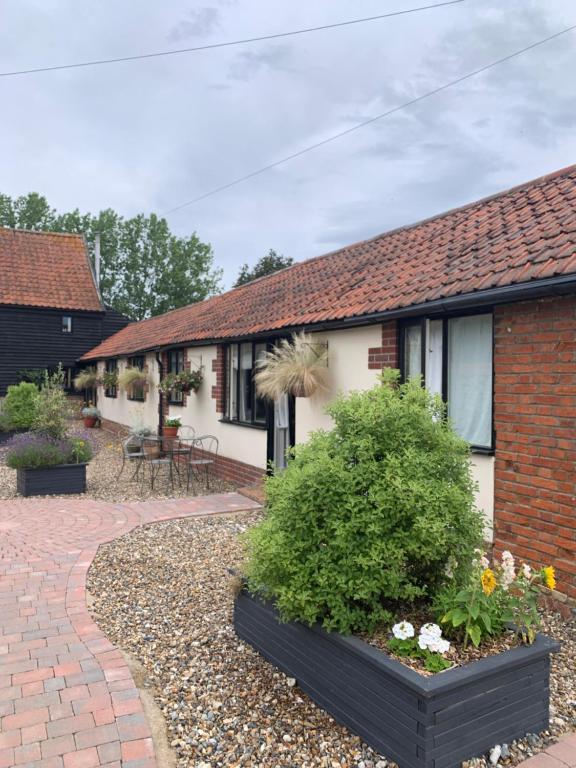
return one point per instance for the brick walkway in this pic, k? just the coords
(559, 755)
(67, 698)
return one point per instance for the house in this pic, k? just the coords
(480, 301)
(50, 308)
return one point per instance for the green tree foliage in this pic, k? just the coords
(268, 264)
(20, 405)
(145, 269)
(367, 515)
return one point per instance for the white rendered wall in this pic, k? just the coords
(483, 474)
(347, 370)
(132, 413)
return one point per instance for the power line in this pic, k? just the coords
(371, 120)
(157, 54)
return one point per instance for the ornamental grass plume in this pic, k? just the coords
(297, 366)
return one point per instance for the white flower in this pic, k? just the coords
(403, 630)
(480, 559)
(439, 646)
(526, 571)
(424, 640)
(508, 571)
(431, 630)
(450, 567)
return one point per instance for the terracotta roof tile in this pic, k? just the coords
(524, 234)
(46, 269)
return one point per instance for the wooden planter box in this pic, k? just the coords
(420, 722)
(47, 481)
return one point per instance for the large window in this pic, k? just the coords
(112, 368)
(453, 357)
(242, 403)
(137, 389)
(176, 365)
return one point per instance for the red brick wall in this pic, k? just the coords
(385, 356)
(535, 422)
(218, 366)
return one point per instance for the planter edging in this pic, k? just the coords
(418, 721)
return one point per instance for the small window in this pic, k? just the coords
(242, 402)
(66, 324)
(137, 389)
(176, 365)
(111, 368)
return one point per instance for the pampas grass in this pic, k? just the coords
(297, 366)
(130, 376)
(86, 379)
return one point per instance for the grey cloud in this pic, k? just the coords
(247, 64)
(200, 22)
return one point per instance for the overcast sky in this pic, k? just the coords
(149, 135)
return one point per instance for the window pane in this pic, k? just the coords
(470, 377)
(245, 404)
(232, 381)
(259, 402)
(412, 351)
(434, 330)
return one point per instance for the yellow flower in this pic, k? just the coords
(488, 581)
(549, 575)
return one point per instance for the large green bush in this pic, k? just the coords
(20, 405)
(368, 515)
(52, 408)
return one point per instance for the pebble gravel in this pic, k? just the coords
(165, 592)
(102, 475)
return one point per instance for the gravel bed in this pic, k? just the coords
(165, 592)
(102, 475)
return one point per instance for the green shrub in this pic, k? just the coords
(20, 404)
(52, 408)
(368, 515)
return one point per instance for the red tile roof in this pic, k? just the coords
(523, 235)
(46, 269)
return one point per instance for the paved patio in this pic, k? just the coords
(67, 698)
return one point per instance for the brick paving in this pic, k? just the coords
(559, 755)
(67, 698)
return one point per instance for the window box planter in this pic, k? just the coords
(47, 481)
(420, 722)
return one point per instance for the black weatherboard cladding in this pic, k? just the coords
(420, 722)
(31, 337)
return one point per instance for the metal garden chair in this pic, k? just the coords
(202, 458)
(132, 452)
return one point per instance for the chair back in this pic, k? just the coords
(186, 432)
(205, 447)
(150, 448)
(132, 444)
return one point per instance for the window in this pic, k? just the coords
(137, 389)
(176, 365)
(454, 358)
(66, 324)
(242, 402)
(111, 368)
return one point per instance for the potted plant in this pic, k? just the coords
(130, 377)
(109, 379)
(297, 366)
(91, 416)
(185, 381)
(376, 526)
(171, 426)
(86, 379)
(48, 465)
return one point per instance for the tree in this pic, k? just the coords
(268, 264)
(145, 270)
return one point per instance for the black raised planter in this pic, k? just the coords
(5, 436)
(420, 722)
(47, 481)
